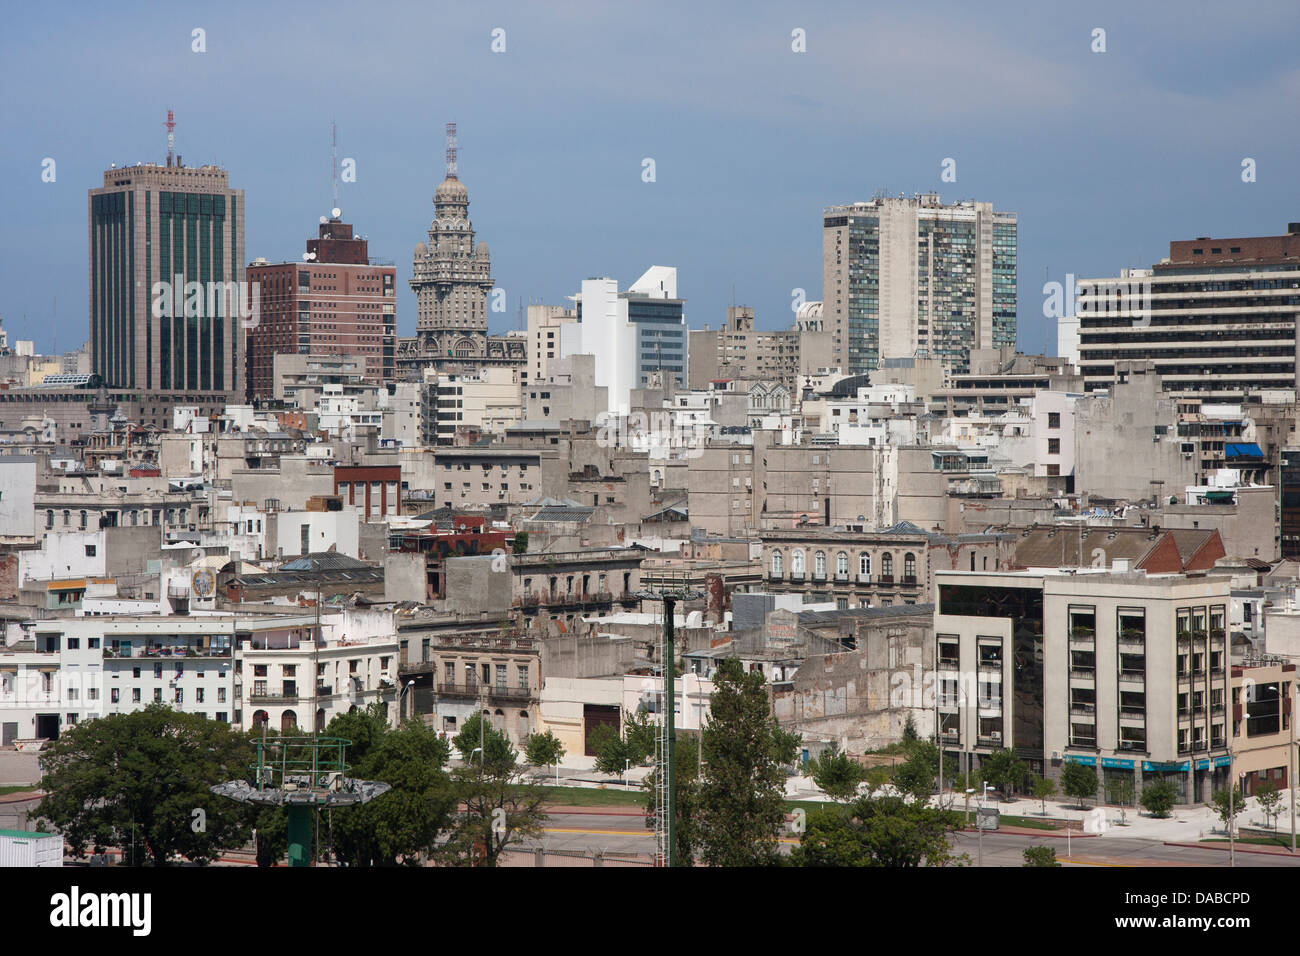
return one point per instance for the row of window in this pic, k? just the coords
(842, 563)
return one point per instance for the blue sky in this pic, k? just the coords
(1106, 157)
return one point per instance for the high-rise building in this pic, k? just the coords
(1217, 319)
(451, 275)
(451, 279)
(738, 350)
(336, 301)
(906, 278)
(632, 334)
(166, 284)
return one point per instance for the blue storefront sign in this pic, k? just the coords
(1150, 767)
(1117, 762)
(1218, 762)
(1086, 761)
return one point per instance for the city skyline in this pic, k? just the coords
(548, 165)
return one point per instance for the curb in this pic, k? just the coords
(1241, 849)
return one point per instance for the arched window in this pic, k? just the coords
(886, 565)
(819, 564)
(909, 566)
(778, 562)
(524, 729)
(864, 565)
(796, 561)
(260, 718)
(49, 519)
(842, 565)
(288, 720)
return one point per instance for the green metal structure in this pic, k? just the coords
(301, 774)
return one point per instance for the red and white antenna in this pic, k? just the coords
(451, 150)
(171, 138)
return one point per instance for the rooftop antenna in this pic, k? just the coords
(451, 150)
(334, 161)
(171, 138)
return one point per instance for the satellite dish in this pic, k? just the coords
(336, 212)
(323, 220)
(306, 256)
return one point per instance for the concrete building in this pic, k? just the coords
(335, 302)
(739, 351)
(632, 334)
(1114, 669)
(1217, 318)
(859, 568)
(914, 277)
(544, 325)
(181, 341)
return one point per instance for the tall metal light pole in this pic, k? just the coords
(668, 661)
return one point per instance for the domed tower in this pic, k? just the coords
(451, 277)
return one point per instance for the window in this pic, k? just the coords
(819, 564)
(909, 567)
(796, 561)
(1053, 419)
(1053, 446)
(842, 565)
(864, 565)
(777, 563)
(887, 566)
(135, 695)
(115, 695)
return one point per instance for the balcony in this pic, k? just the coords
(841, 578)
(1078, 707)
(1133, 675)
(1133, 713)
(819, 577)
(186, 651)
(475, 689)
(796, 577)
(274, 700)
(864, 579)
(1083, 673)
(994, 740)
(949, 662)
(1083, 634)
(909, 581)
(1133, 637)
(1139, 746)
(776, 577)
(885, 580)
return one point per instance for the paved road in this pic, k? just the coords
(627, 834)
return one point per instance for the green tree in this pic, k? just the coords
(501, 807)
(878, 831)
(1158, 798)
(837, 775)
(1044, 787)
(1040, 856)
(1003, 770)
(141, 781)
(1221, 800)
(909, 730)
(635, 747)
(917, 775)
(520, 543)
(476, 732)
(1122, 793)
(402, 825)
(542, 750)
(1079, 782)
(686, 798)
(742, 795)
(876, 777)
(1269, 798)
(272, 837)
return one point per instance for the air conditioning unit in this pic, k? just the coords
(1056, 755)
(996, 735)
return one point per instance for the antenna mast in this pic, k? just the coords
(334, 161)
(171, 138)
(451, 150)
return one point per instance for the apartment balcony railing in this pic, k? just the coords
(1083, 743)
(990, 741)
(796, 577)
(1132, 674)
(180, 652)
(275, 699)
(885, 579)
(1077, 707)
(949, 662)
(1085, 673)
(909, 580)
(515, 692)
(864, 579)
(776, 576)
(1132, 637)
(1138, 745)
(1138, 712)
(841, 578)
(819, 576)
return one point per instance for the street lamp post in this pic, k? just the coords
(401, 693)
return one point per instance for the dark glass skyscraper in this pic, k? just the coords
(182, 342)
